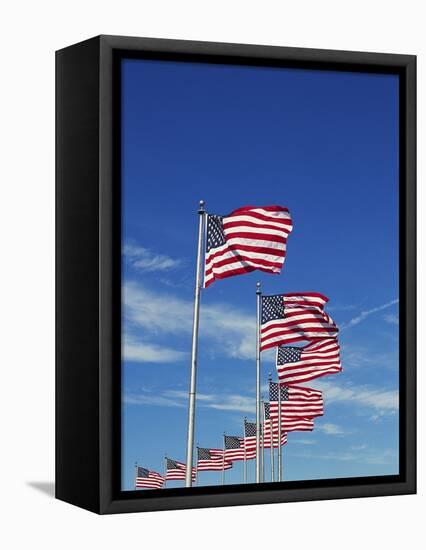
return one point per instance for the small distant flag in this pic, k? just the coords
(296, 401)
(293, 317)
(247, 239)
(177, 470)
(267, 426)
(148, 479)
(211, 460)
(301, 364)
(234, 448)
(250, 440)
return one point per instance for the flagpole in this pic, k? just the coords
(136, 473)
(262, 441)
(279, 435)
(196, 466)
(258, 300)
(165, 471)
(245, 451)
(193, 380)
(223, 461)
(271, 430)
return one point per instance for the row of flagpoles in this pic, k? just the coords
(282, 414)
(255, 238)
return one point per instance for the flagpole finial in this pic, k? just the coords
(258, 287)
(201, 207)
(270, 376)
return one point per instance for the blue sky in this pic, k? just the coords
(322, 143)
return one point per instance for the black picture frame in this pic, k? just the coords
(88, 250)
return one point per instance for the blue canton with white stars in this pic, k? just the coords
(250, 429)
(172, 464)
(266, 405)
(272, 308)
(215, 233)
(232, 442)
(289, 354)
(142, 472)
(273, 392)
(204, 454)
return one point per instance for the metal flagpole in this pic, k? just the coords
(196, 465)
(272, 439)
(193, 380)
(262, 424)
(258, 301)
(223, 461)
(136, 473)
(165, 471)
(279, 435)
(245, 451)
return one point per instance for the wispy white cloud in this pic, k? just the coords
(382, 401)
(331, 429)
(364, 314)
(304, 441)
(177, 398)
(142, 352)
(144, 259)
(225, 402)
(165, 313)
(355, 356)
(391, 318)
(341, 307)
(364, 455)
(151, 399)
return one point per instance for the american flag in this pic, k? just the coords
(294, 317)
(249, 238)
(295, 365)
(211, 459)
(296, 401)
(234, 448)
(177, 470)
(148, 479)
(267, 430)
(250, 439)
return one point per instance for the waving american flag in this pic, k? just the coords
(294, 317)
(250, 439)
(211, 459)
(234, 448)
(177, 470)
(295, 365)
(270, 435)
(249, 238)
(296, 401)
(148, 479)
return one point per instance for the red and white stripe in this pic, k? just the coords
(316, 359)
(250, 447)
(256, 238)
(216, 463)
(180, 472)
(292, 424)
(304, 319)
(233, 455)
(267, 436)
(154, 481)
(302, 402)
